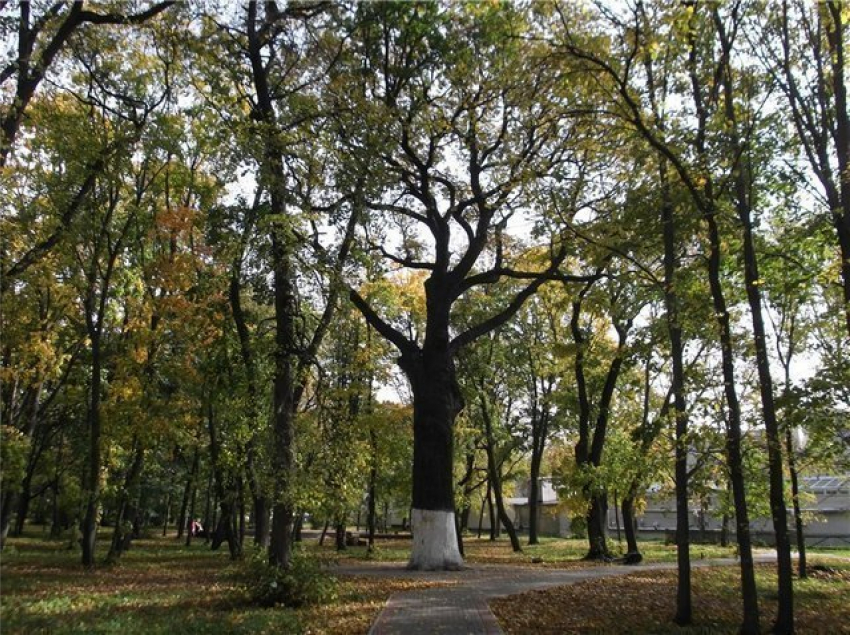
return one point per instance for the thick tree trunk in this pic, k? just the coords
(280, 546)
(227, 529)
(597, 531)
(23, 500)
(261, 521)
(340, 535)
(273, 177)
(436, 403)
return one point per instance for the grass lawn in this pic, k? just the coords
(555, 552)
(160, 586)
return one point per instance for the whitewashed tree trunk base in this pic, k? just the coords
(434, 541)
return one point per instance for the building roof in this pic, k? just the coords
(826, 483)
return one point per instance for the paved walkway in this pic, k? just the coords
(462, 608)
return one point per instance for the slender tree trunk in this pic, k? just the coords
(227, 493)
(22, 500)
(324, 533)
(340, 535)
(784, 623)
(55, 518)
(533, 497)
(7, 503)
(481, 511)
(131, 478)
(589, 448)
(493, 471)
(92, 481)
(209, 507)
(684, 608)
(191, 518)
(795, 498)
(617, 519)
(468, 489)
(540, 416)
(188, 489)
(785, 619)
(167, 514)
(733, 434)
(373, 492)
(627, 507)
(495, 525)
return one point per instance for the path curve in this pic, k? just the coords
(462, 607)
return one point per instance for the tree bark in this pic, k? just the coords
(188, 488)
(373, 490)
(120, 535)
(784, 623)
(539, 435)
(274, 179)
(627, 507)
(495, 477)
(436, 402)
(226, 489)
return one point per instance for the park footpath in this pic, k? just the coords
(461, 607)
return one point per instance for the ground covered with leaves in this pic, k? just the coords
(644, 602)
(163, 587)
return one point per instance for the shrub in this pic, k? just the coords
(306, 581)
(578, 527)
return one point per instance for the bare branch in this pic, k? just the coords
(405, 345)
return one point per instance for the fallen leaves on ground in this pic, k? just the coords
(160, 587)
(361, 600)
(644, 603)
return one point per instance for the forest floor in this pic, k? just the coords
(161, 586)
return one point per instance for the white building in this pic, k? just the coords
(825, 510)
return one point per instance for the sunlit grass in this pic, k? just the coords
(552, 551)
(162, 587)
